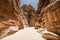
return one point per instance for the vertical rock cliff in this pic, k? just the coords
(42, 4)
(10, 9)
(10, 18)
(40, 10)
(29, 13)
(52, 17)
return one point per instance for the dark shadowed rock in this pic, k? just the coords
(30, 14)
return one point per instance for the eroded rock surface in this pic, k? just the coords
(30, 14)
(10, 15)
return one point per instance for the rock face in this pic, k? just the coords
(40, 10)
(9, 9)
(51, 37)
(41, 5)
(51, 1)
(52, 17)
(10, 14)
(48, 17)
(29, 13)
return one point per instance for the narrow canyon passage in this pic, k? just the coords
(30, 20)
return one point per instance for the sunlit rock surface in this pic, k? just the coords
(10, 15)
(52, 17)
(9, 31)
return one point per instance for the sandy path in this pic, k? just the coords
(25, 34)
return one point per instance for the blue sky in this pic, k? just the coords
(32, 2)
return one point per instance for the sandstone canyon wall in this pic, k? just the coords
(9, 9)
(10, 15)
(52, 17)
(30, 14)
(40, 10)
(48, 17)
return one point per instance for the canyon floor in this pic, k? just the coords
(25, 34)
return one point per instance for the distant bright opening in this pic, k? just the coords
(34, 3)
